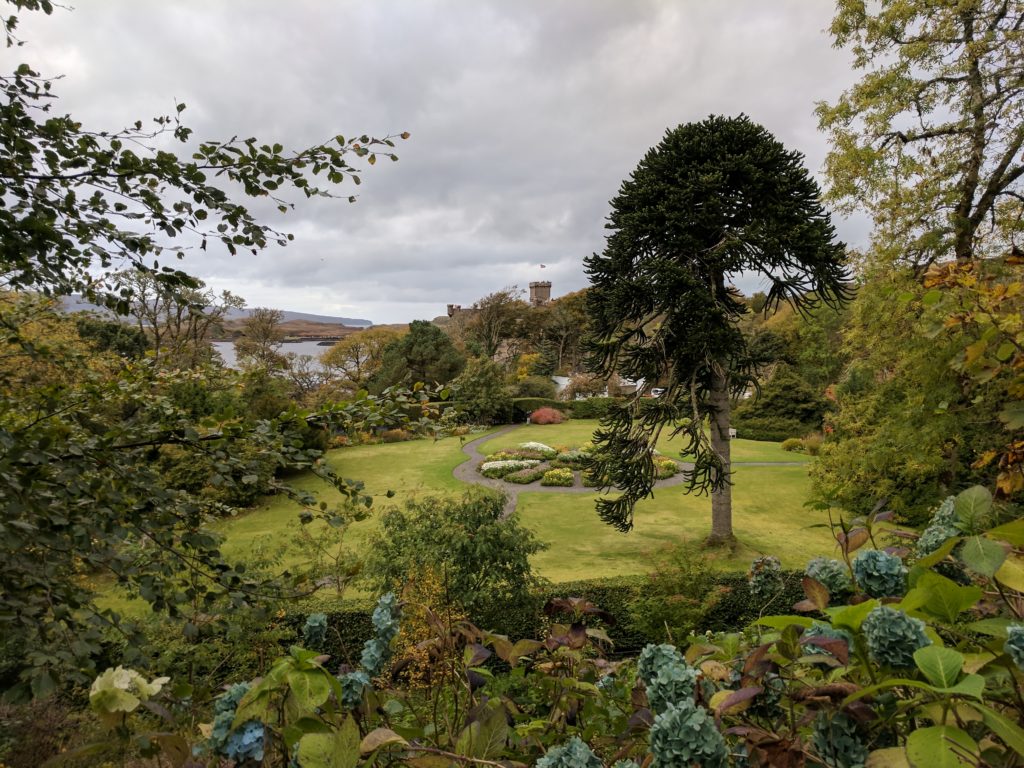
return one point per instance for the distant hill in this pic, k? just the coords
(76, 303)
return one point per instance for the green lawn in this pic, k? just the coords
(768, 511)
(576, 432)
(408, 469)
(768, 516)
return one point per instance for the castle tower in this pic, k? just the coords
(540, 293)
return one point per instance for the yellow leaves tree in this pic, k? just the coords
(985, 306)
(355, 360)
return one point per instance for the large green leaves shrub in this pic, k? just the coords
(480, 555)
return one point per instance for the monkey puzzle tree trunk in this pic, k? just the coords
(721, 499)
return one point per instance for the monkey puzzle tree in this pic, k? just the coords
(712, 200)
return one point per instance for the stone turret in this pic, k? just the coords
(540, 293)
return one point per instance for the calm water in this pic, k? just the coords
(226, 350)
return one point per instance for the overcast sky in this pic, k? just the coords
(525, 117)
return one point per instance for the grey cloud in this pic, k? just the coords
(525, 117)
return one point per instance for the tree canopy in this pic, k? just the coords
(84, 434)
(425, 354)
(713, 199)
(928, 141)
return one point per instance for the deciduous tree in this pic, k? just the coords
(929, 140)
(79, 495)
(357, 358)
(178, 321)
(260, 342)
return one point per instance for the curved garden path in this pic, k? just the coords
(466, 472)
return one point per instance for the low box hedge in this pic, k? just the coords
(349, 620)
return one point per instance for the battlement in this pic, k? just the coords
(540, 292)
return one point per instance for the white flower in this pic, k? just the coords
(119, 691)
(534, 446)
(512, 464)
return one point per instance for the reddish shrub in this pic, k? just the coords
(396, 436)
(547, 416)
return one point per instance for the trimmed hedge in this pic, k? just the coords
(592, 407)
(349, 624)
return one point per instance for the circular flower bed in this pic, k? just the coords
(553, 466)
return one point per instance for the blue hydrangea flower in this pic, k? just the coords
(1014, 644)
(892, 636)
(820, 629)
(880, 574)
(666, 675)
(765, 576)
(246, 742)
(352, 685)
(831, 573)
(242, 743)
(573, 754)
(684, 735)
(944, 525)
(838, 742)
(375, 651)
(314, 631)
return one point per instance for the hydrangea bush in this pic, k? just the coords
(832, 574)
(573, 754)
(880, 574)
(119, 691)
(893, 637)
(666, 676)
(765, 577)
(685, 734)
(944, 526)
(314, 631)
(241, 743)
(932, 678)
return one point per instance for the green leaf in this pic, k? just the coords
(1012, 416)
(484, 739)
(339, 749)
(982, 555)
(1002, 726)
(973, 505)
(1012, 532)
(1011, 573)
(931, 297)
(1005, 351)
(937, 556)
(990, 627)
(944, 597)
(890, 757)
(972, 686)
(380, 737)
(309, 689)
(941, 666)
(851, 616)
(940, 746)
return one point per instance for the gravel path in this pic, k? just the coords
(466, 472)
